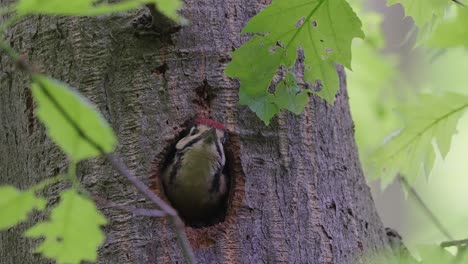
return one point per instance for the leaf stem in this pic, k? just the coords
(451, 243)
(71, 174)
(47, 182)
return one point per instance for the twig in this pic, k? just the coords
(149, 212)
(129, 209)
(458, 243)
(140, 185)
(182, 238)
(177, 223)
(459, 2)
(112, 159)
(425, 208)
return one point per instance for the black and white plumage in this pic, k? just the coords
(194, 180)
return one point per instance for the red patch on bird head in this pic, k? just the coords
(210, 123)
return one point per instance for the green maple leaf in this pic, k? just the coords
(410, 152)
(51, 93)
(422, 11)
(15, 205)
(73, 233)
(324, 30)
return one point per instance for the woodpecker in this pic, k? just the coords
(194, 181)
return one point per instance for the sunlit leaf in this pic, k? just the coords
(410, 152)
(324, 30)
(73, 232)
(91, 8)
(68, 117)
(15, 205)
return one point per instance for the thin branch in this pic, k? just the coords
(149, 212)
(120, 167)
(452, 243)
(130, 209)
(459, 2)
(174, 218)
(112, 159)
(425, 208)
(182, 238)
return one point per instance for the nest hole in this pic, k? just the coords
(203, 234)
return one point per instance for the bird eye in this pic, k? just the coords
(193, 131)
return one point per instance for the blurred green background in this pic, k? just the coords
(390, 68)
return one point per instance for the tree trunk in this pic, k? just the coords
(299, 193)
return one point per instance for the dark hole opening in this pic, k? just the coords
(215, 216)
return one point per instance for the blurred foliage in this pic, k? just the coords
(380, 89)
(370, 87)
(452, 32)
(92, 7)
(73, 232)
(383, 97)
(15, 205)
(410, 152)
(69, 117)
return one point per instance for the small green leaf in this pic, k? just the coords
(289, 96)
(451, 32)
(323, 29)
(263, 106)
(90, 8)
(15, 205)
(410, 152)
(67, 116)
(73, 232)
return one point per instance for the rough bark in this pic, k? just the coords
(300, 193)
